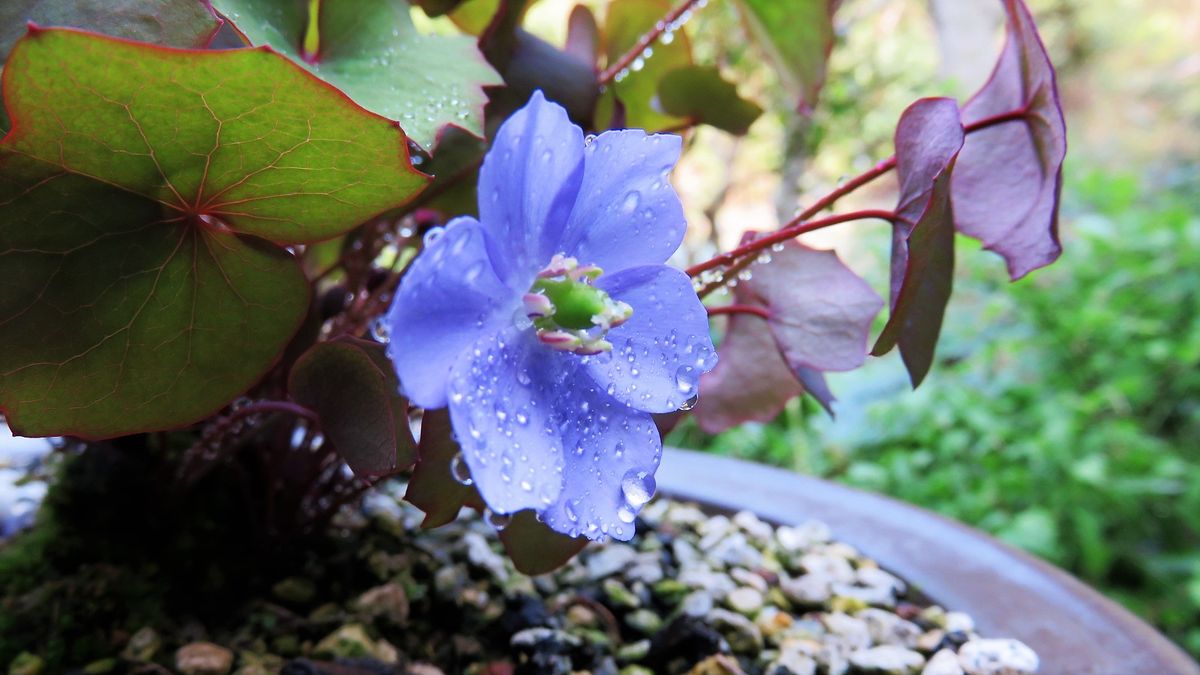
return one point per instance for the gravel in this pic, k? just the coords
(690, 594)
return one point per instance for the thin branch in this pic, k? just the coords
(794, 229)
(760, 312)
(646, 40)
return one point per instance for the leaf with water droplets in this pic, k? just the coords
(700, 94)
(351, 386)
(174, 23)
(535, 548)
(637, 87)
(928, 139)
(1007, 183)
(433, 487)
(797, 36)
(371, 50)
(151, 297)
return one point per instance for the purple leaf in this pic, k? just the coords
(928, 139)
(821, 311)
(350, 384)
(535, 548)
(751, 382)
(819, 315)
(1009, 176)
(432, 487)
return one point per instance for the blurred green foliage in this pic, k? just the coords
(1064, 416)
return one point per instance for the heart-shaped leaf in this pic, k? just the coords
(1007, 182)
(700, 94)
(797, 36)
(535, 548)
(371, 50)
(352, 387)
(820, 310)
(433, 487)
(625, 22)
(751, 382)
(174, 23)
(132, 298)
(928, 139)
(819, 315)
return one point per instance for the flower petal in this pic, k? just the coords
(660, 352)
(627, 214)
(505, 395)
(612, 454)
(448, 299)
(528, 184)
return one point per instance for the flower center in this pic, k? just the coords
(568, 312)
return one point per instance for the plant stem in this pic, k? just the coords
(738, 259)
(760, 312)
(610, 73)
(793, 229)
(1018, 115)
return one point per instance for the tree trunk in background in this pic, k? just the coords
(968, 39)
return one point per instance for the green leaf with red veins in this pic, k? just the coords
(928, 139)
(535, 548)
(797, 36)
(700, 94)
(138, 291)
(625, 22)
(173, 23)
(1009, 178)
(371, 50)
(433, 487)
(352, 387)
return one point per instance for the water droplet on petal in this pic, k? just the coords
(637, 487)
(460, 470)
(432, 235)
(690, 403)
(379, 330)
(632, 199)
(497, 520)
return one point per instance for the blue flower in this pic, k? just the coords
(551, 327)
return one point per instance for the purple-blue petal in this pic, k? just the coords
(660, 352)
(527, 186)
(504, 395)
(449, 298)
(612, 453)
(626, 214)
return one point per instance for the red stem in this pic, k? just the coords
(793, 229)
(1011, 116)
(739, 309)
(646, 40)
(261, 407)
(796, 226)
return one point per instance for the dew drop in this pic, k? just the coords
(379, 330)
(432, 235)
(499, 521)
(526, 486)
(637, 487)
(690, 403)
(632, 199)
(521, 320)
(569, 510)
(626, 514)
(460, 470)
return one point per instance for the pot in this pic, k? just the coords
(1073, 628)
